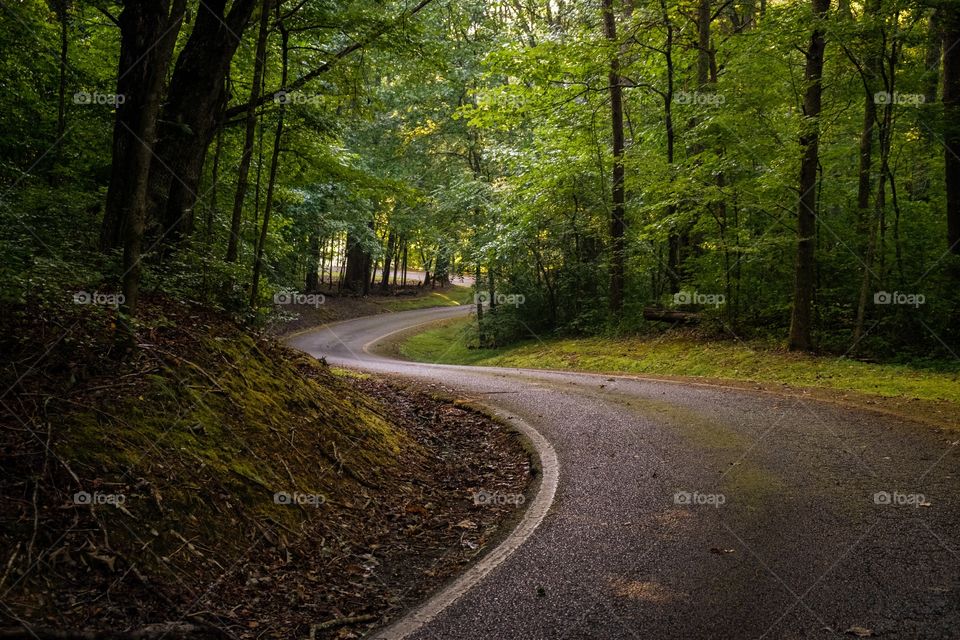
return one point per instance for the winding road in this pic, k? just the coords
(675, 510)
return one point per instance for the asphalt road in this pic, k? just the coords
(691, 511)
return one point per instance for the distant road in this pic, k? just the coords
(414, 277)
(686, 511)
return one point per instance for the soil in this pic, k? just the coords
(230, 566)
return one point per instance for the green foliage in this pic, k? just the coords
(477, 136)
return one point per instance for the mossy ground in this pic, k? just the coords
(199, 428)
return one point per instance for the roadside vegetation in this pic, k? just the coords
(689, 355)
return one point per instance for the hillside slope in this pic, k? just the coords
(221, 481)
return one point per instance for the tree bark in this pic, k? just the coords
(950, 15)
(148, 32)
(314, 263)
(387, 261)
(801, 322)
(243, 170)
(618, 192)
(357, 276)
(140, 74)
(62, 9)
(194, 102)
(272, 179)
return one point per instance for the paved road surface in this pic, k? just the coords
(686, 511)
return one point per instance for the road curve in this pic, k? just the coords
(686, 511)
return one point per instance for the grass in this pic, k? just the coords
(450, 297)
(450, 343)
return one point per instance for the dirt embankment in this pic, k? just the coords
(217, 484)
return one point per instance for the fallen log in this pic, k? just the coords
(670, 315)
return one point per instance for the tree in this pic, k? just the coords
(148, 32)
(618, 191)
(194, 101)
(250, 121)
(801, 321)
(950, 14)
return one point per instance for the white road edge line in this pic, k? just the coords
(532, 517)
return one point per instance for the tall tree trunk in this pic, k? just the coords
(357, 277)
(617, 213)
(931, 62)
(876, 225)
(674, 239)
(195, 100)
(387, 261)
(396, 260)
(479, 300)
(272, 180)
(801, 322)
(62, 9)
(870, 74)
(243, 171)
(148, 32)
(950, 14)
(314, 263)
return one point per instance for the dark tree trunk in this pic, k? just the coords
(932, 56)
(950, 15)
(357, 276)
(62, 9)
(479, 301)
(387, 261)
(148, 32)
(870, 74)
(674, 240)
(140, 75)
(243, 170)
(272, 179)
(617, 214)
(194, 102)
(314, 263)
(396, 261)
(801, 322)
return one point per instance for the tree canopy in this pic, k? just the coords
(784, 169)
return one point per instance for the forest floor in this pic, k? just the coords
(334, 308)
(217, 484)
(929, 394)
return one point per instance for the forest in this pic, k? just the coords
(782, 169)
(254, 256)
